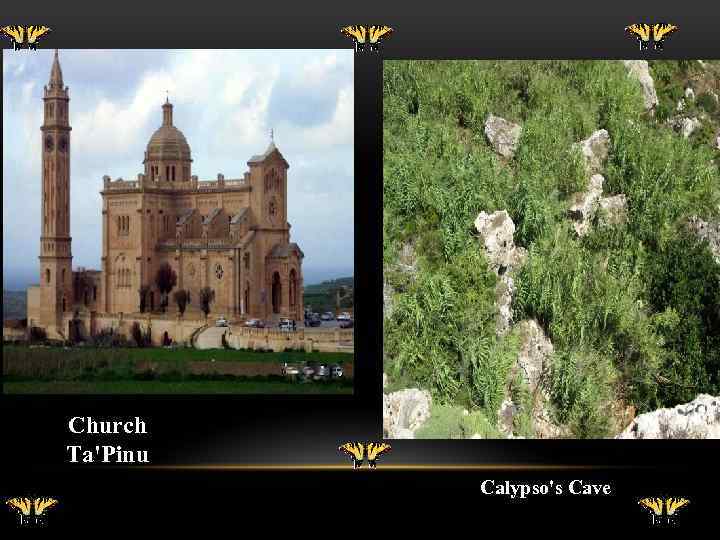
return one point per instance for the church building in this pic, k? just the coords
(230, 235)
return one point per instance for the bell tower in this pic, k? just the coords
(55, 252)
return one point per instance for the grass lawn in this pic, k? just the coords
(161, 354)
(165, 387)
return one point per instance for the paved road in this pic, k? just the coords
(211, 337)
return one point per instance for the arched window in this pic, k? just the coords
(293, 287)
(47, 275)
(173, 173)
(63, 276)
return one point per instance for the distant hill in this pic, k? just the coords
(320, 295)
(14, 305)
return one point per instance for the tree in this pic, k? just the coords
(207, 296)
(182, 299)
(143, 292)
(165, 280)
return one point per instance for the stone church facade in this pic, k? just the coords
(231, 235)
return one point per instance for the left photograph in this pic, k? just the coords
(178, 221)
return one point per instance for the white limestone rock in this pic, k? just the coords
(709, 232)
(595, 150)
(584, 205)
(689, 93)
(640, 70)
(404, 412)
(388, 293)
(497, 230)
(502, 135)
(699, 419)
(687, 126)
(534, 355)
(613, 210)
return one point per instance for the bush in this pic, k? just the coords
(448, 422)
(707, 102)
(37, 334)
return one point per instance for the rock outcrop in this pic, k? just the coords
(584, 205)
(709, 232)
(613, 210)
(595, 150)
(640, 70)
(686, 126)
(699, 419)
(404, 412)
(497, 230)
(534, 356)
(502, 135)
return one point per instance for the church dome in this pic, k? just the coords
(168, 142)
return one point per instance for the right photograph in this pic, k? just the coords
(551, 249)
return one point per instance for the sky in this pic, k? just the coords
(225, 102)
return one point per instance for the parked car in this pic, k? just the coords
(313, 322)
(327, 316)
(348, 323)
(322, 372)
(286, 325)
(290, 369)
(222, 321)
(308, 370)
(254, 323)
(344, 316)
(336, 371)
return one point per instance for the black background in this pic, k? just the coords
(306, 430)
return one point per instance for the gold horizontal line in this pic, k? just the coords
(386, 467)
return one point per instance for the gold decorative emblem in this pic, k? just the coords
(31, 511)
(358, 452)
(218, 271)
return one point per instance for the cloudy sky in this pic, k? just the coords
(225, 102)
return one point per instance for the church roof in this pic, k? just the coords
(212, 215)
(56, 78)
(237, 218)
(283, 251)
(185, 216)
(168, 142)
(259, 158)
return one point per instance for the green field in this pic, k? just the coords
(166, 387)
(157, 354)
(157, 370)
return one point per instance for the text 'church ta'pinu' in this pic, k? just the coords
(229, 235)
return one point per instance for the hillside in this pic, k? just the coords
(321, 296)
(549, 229)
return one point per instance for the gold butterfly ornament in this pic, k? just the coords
(656, 505)
(367, 37)
(26, 506)
(24, 36)
(646, 33)
(358, 452)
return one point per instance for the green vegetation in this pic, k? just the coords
(632, 310)
(21, 353)
(447, 422)
(155, 370)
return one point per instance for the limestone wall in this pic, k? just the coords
(304, 339)
(178, 330)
